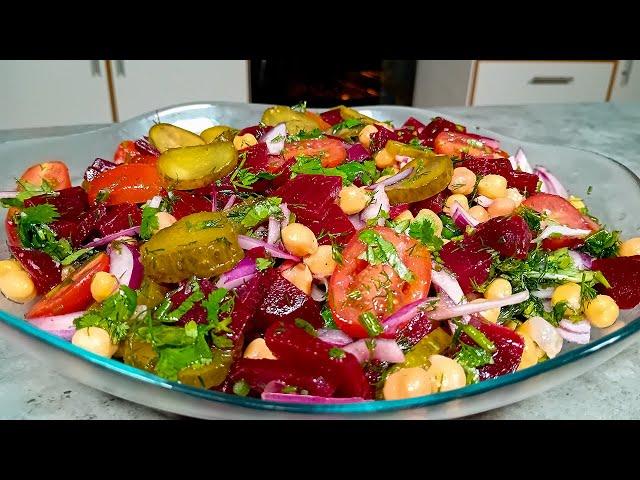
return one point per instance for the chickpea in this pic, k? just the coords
(300, 276)
(630, 247)
(531, 353)
(490, 315)
(602, 311)
(103, 284)
(321, 263)
(353, 199)
(299, 239)
(165, 220)
(515, 195)
(17, 285)
(96, 340)
(404, 216)
(9, 265)
(365, 135)
(258, 350)
(543, 334)
(463, 181)
(244, 141)
(570, 293)
(433, 218)
(492, 186)
(445, 374)
(479, 213)
(384, 159)
(461, 199)
(501, 207)
(497, 289)
(407, 383)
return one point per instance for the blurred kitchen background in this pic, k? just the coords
(42, 93)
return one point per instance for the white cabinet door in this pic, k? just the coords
(627, 85)
(145, 85)
(45, 93)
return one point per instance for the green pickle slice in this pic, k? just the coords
(209, 375)
(431, 174)
(203, 244)
(295, 121)
(165, 136)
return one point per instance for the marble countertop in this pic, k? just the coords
(612, 391)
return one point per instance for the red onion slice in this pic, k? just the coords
(561, 230)
(9, 194)
(230, 202)
(247, 243)
(214, 197)
(286, 213)
(461, 217)
(356, 222)
(392, 180)
(489, 142)
(334, 337)
(578, 327)
(275, 138)
(307, 399)
(444, 313)
(59, 325)
(573, 337)
(543, 293)
(483, 201)
(550, 184)
(99, 242)
(317, 293)
(245, 267)
(521, 161)
(235, 283)
(274, 386)
(379, 202)
(385, 350)
(273, 234)
(125, 265)
(581, 260)
(398, 319)
(402, 160)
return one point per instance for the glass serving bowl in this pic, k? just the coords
(615, 191)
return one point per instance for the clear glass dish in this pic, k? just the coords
(616, 191)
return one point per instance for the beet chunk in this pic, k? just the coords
(509, 347)
(330, 225)
(284, 301)
(197, 313)
(509, 236)
(42, 269)
(185, 203)
(435, 203)
(469, 260)
(523, 181)
(332, 117)
(64, 229)
(623, 274)
(88, 225)
(295, 346)
(70, 202)
(431, 131)
(120, 217)
(312, 192)
(380, 138)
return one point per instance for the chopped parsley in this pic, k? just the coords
(149, 222)
(245, 178)
(476, 335)
(424, 232)
(34, 232)
(28, 190)
(371, 324)
(449, 229)
(337, 353)
(250, 214)
(77, 255)
(381, 251)
(602, 244)
(532, 218)
(346, 124)
(300, 107)
(350, 171)
(306, 135)
(327, 317)
(113, 315)
(336, 253)
(264, 263)
(470, 358)
(306, 326)
(215, 305)
(241, 388)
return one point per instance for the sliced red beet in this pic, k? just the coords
(416, 329)
(259, 160)
(509, 347)
(396, 210)
(329, 225)
(258, 373)
(88, 225)
(248, 298)
(120, 217)
(69, 203)
(197, 313)
(297, 347)
(431, 131)
(284, 301)
(332, 117)
(509, 236)
(185, 203)
(435, 203)
(526, 183)
(623, 274)
(255, 130)
(561, 242)
(313, 192)
(405, 134)
(64, 229)
(413, 122)
(380, 138)
(469, 260)
(42, 269)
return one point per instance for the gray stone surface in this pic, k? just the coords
(612, 391)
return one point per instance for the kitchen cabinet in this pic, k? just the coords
(142, 86)
(45, 93)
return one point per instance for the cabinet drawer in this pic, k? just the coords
(514, 82)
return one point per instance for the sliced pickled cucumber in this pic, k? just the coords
(139, 353)
(432, 344)
(187, 168)
(349, 113)
(211, 374)
(211, 134)
(295, 121)
(165, 136)
(151, 293)
(431, 175)
(203, 244)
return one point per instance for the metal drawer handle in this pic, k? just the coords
(95, 68)
(120, 68)
(551, 80)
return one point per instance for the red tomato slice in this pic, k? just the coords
(456, 143)
(379, 288)
(73, 294)
(560, 210)
(11, 229)
(55, 173)
(127, 183)
(128, 152)
(330, 150)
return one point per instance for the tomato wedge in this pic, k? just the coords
(55, 173)
(73, 294)
(357, 287)
(128, 152)
(127, 183)
(456, 143)
(330, 150)
(560, 210)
